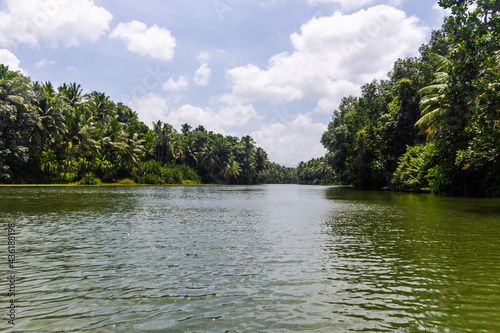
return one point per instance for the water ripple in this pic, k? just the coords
(246, 259)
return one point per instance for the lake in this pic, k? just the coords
(270, 258)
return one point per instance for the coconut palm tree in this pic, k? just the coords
(232, 169)
(261, 161)
(166, 145)
(72, 93)
(433, 104)
(50, 124)
(100, 108)
(208, 160)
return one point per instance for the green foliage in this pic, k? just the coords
(59, 135)
(278, 174)
(315, 172)
(439, 179)
(90, 179)
(152, 172)
(412, 173)
(451, 93)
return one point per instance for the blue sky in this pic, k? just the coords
(273, 69)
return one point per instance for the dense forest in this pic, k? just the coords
(434, 124)
(50, 135)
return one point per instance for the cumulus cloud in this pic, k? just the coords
(203, 57)
(150, 108)
(226, 117)
(333, 57)
(348, 4)
(172, 85)
(442, 13)
(154, 41)
(8, 58)
(292, 142)
(222, 120)
(52, 21)
(202, 75)
(44, 62)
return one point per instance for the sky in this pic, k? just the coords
(272, 69)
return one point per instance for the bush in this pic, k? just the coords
(438, 178)
(126, 181)
(89, 179)
(153, 173)
(413, 167)
(152, 179)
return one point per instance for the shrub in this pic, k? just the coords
(126, 181)
(89, 179)
(413, 167)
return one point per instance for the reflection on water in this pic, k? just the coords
(255, 258)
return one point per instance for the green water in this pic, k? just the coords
(272, 258)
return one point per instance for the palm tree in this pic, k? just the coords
(433, 105)
(208, 159)
(100, 108)
(166, 145)
(248, 145)
(49, 106)
(186, 128)
(72, 93)
(135, 148)
(261, 161)
(232, 169)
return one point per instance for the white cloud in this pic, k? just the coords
(202, 75)
(151, 108)
(155, 42)
(442, 13)
(348, 4)
(203, 57)
(172, 85)
(52, 21)
(44, 62)
(298, 140)
(221, 121)
(8, 58)
(333, 57)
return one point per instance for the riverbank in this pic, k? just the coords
(120, 183)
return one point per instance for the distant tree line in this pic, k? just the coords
(60, 135)
(434, 124)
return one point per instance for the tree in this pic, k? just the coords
(72, 93)
(16, 119)
(232, 169)
(433, 104)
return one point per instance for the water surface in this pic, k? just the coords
(245, 259)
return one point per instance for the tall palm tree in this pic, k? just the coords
(248, 145)
(433, 104)
(232, 169)
(51, 124)
(186, 128)
(208, 159)
(100, 108)
(261, 161)
(166, 146)
(72, 93)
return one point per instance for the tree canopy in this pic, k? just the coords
(434, 124)
(57, 135)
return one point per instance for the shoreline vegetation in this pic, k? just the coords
(433, 126)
